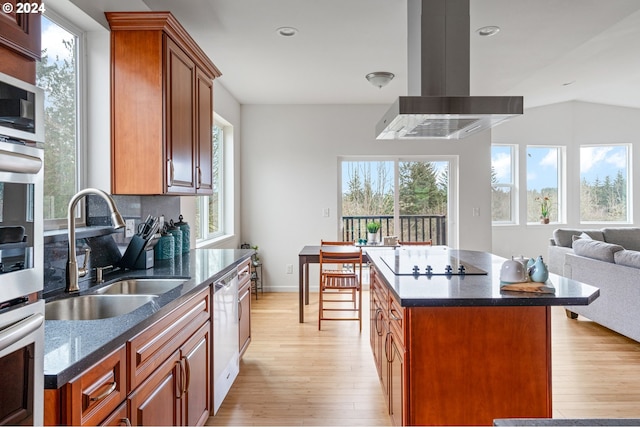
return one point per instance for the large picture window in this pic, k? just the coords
(409, 197)
(503, 184)
(604, 183)
(58, 73)
(544, 166)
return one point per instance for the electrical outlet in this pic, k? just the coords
(130, 228)
(476, 211)
(325, 212)
(289, 268)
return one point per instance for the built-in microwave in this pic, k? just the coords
(21, 110)
(21, 221)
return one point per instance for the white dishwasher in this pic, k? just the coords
(226, 345)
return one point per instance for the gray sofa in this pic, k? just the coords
(609, 259)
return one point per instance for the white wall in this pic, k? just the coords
(290, 174)
(568, 124)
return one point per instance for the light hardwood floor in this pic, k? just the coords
(293, 374)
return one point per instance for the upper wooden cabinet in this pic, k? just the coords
(161, 107)
(20, 27)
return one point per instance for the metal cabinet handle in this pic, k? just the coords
(239, 310)
(187, 368)
(124, 422)
(199, 177)
(394, 317)
(386, 347)
(171, 172)
(20, 330)
(106, 393)
(378, 317)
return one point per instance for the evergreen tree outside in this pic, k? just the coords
(368, 191)
(604, 183)
(56, 75)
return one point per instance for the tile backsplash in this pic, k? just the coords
(106, 244)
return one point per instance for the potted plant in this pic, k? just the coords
(545, 208)
(372, 228)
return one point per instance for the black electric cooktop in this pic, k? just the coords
(436, 261)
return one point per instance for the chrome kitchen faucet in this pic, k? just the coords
(73, 272)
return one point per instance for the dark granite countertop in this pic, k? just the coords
(71, 346)
(471, 290)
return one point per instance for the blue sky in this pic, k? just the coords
(542, 170)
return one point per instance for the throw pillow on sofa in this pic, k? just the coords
(582, 236)
(627, 258)
(596, 249)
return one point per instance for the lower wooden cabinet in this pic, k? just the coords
(154, 402)
(161, 376)
(119, 417)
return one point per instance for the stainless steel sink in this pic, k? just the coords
(141, 286)
(92, 307)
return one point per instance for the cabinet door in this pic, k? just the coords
(196, 393)
(180, 123)
(396, 381)
(119, 417)
(21, 31)
(155, 402)
(204, 137)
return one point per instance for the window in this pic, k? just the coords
(209, 209)
(544, 181)
(604, 183)
(58, 74)
(503, 184)
(409, 197)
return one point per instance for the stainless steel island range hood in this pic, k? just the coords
(439, 105)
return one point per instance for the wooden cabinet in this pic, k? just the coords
(161, 107)
(97, 392)
(20, 32)
(387, 337)
(462, 365)
(244, 304)
(154, 402)
(160, 377)
(178, 392)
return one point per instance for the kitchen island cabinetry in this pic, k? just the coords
(457, 351)
(167, 365)
(161, 107)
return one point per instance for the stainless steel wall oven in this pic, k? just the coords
(21, 284)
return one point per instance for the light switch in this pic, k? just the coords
(476, 211)
(130, 227)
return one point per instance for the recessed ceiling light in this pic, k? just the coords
(287, 31)
(489, 30)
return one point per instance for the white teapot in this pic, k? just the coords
(513, 271)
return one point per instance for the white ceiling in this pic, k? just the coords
(543, 45)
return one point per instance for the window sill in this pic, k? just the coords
(215, 242)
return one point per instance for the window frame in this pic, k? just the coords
(629, 196)
(561, 179)
(225, 178)
(514, 211)
(81, 118)
(452, 195)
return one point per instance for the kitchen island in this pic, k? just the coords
(453, 349)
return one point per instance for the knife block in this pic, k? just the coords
(133, 252)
